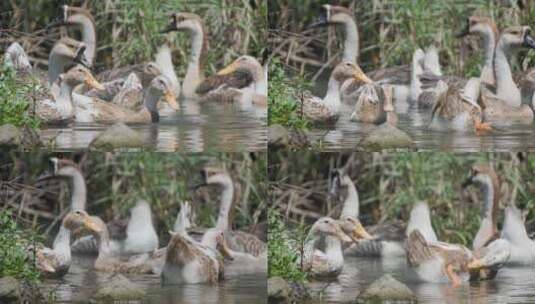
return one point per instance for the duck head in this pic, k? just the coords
(162, 86)
(346, 70)
(330, 227)
(332, 15)
(80, 74)
(352, 227)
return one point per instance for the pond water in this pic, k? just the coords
(82, 282)
(195, 128)
(512, 285)
(347, 134)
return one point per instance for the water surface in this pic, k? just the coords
(347, 134)
(82, 282)
(195, 128)
(512, 285)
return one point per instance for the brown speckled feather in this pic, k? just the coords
(245, 242)
(240, 78)
(393, 75)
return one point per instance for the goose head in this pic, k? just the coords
(215, 176)
(332, 15)
(482, 174)
(80, 74)
(329, 227)
(353, 228)
(63, 167)
(162, 86)
(340, 181)
(478, 26)
(79, 219)
(70, 15)
(184, 22)
(247, 63)
(517, 36)
(346, 70)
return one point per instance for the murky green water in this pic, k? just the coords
(82, 282)
(512, 285)
(195, 128)
(347, 134)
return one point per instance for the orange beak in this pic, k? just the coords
(170, 98)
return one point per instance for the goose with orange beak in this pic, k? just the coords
(92, 109)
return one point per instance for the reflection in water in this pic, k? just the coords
(512, 285)
(504, 138)
(81, 283)
(195, 128)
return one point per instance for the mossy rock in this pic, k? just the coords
(281, 137)
(387, 289)
(117, 136)
(119, 288)
(386, 137)
(23, 138)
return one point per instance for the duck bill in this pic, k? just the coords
(361, 77)
(170, 98)
(359, 233)
(529, 41)
(91, 225)
(228, 69)
(93, 83)
(476, 264)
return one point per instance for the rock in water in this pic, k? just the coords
(10, 290)
(386, 137)
(13, 137)
(386, 289)
(280, 137)
(278, 290)
(119, 288)
(117, 136)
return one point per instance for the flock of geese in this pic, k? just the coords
(131, 94)
(496, 97)
(132, 246)
(329, 239)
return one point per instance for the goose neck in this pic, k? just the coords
(79, 191)
(332, 98)
(351, 42)
(226, 203)
(89, 36)
(195, 63)
(351, 202)
(506, 87)
(61, 244)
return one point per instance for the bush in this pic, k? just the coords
(283, 258)
(282, 97)
(14, 260)
(14, 98)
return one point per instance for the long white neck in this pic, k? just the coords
(262, 82)
(416, 71)
(63, 98)
(506, 87)
(62, 244)
(56, 66)
(489, 44)
(513, 228)
(351, 42)
(420, 219)
(351, 203)
(226, 203)
(89, 36)
(103, 241)
(79, 191)
(332, 98)
(194, 71)
(486, 228)
(165, 64)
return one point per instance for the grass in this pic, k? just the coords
(14, 98)
(14, 259)
(283, 250)
(283, 98)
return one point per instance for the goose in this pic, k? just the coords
(445, 262)
(56, 261)
(237, 240)
(423, 62)
(58, 108)
(84, 21)
(398, 77)
(136, 236)
(514, 231)
(330, 261)
(194, 25)
(486, 178)
(189, 262)
(326, 110)
(505, 104)
(373, 103)
(242, 81)
(90, 109)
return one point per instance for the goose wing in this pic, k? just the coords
(238, 79)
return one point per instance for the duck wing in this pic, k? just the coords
(238, 79)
